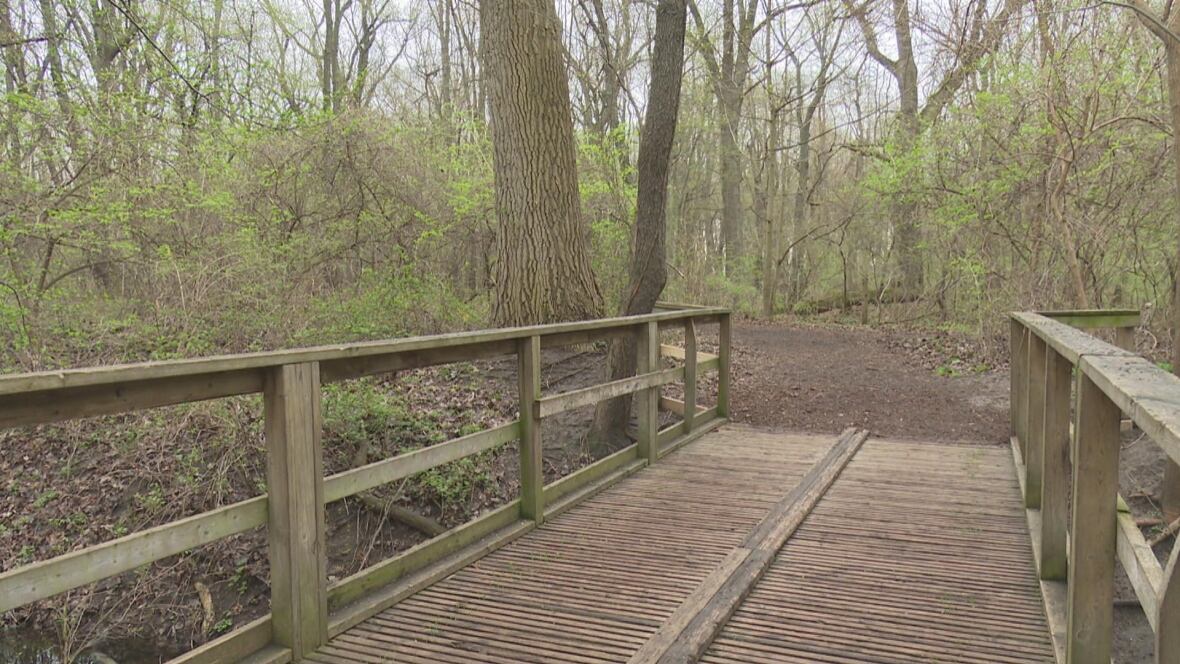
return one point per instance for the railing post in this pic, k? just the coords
(1167, 627)
(725, 337)
(1017, 337)
(295, 487)
(1055, 465)
(690, 374)
(1092, 548)
(1035, 421)
(648, 400)
(532, 480)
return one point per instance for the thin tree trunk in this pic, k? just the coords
(647, 272)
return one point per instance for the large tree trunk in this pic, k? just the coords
(543, 274)
(647, 272)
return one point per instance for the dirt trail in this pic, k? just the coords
(827, 378)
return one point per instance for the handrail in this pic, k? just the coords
(306, 609)
(1078, 534)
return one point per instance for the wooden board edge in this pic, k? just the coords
(700, 428)
(362, 608)
(1053, 593)
(555, 490)
(370, 580)
(251, 639)
(572, 499)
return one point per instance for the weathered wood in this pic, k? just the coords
(356, 480)
(1124, 337)
(691, 357)
(1093, 538)
(296, 530)
(1148, 393)
(678, 353)
(1095, 318)
(1017, 363)
(154, 371)
(1035, 417)
(686, 634)
(1055, 469)
(371, 579)
(40, 580)
(724, 360)
(1068, 340)
(673, 437)
(233, 647)
(532, 482)
(647, 402)
(591, 473)
(1167, 625)
(411, 581)
(1141, 565)
(587, 396)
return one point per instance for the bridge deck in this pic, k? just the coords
(917, 552)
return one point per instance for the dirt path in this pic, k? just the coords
(825, 379)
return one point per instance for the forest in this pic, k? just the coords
(182, 178)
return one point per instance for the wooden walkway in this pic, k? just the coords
(916, 552)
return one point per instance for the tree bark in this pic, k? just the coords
(543, 274)
(647, 272)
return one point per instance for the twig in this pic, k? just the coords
(1165, 533)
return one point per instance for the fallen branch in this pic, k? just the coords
(1164, 534)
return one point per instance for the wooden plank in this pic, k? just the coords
(590, 473)
(153, 371)
(1055, 466)
(1148, 393)
(1035, 417)
(350, 482)
(532, 481)
(1092, 553)
(233, 647)
(1067, 340)
(461, 554)
(370, 580)
(1141, 565)
(725, 368)
(54, 405)
(1095, 318)
(296, 531)
(40, 580)
(1017, 363)
(678, 353)
(647, 403)
(705, 366)
(685, 635)
(586, 396)
(691, 356)
(674, 439)
(1167, 625)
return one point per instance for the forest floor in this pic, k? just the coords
(906, 383)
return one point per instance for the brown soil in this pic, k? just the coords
(828, 378)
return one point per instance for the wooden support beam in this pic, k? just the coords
(690, 374)
(1017, 363)
(295, 483)
(1035, 418)
(532, 481)
(587, 396)
(648, 361)
(724, 369)
(1055, 466)
(1167, 624)
(1090, 602)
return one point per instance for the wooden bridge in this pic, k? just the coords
(704, 541)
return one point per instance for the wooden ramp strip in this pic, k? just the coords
(690, 629)
(594, 583)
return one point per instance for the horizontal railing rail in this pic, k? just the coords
(306, 608)
(1069, 474)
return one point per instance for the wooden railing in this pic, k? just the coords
(1070, 475)
(305, 608)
